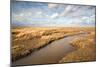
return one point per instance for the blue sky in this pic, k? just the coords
(50, 14)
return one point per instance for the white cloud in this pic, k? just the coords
(67, 10)
(39, 13)
(85, 18)
(52, 5)
(93, 16)
(29, 13)
(21, 14)
(67, 14)
(55, 15)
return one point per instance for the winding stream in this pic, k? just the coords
(51, 53)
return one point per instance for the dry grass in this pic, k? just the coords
(27, 39)
(86, 48)
(80, 55)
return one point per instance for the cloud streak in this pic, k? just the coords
(41, 14)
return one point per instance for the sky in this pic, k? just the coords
(51, 14)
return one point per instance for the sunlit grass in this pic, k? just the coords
(27, 39)
(86, 48)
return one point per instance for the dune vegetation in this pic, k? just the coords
(86, 48)
(25, 40)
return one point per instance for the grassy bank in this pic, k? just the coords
(86, 48)
(25, 40)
